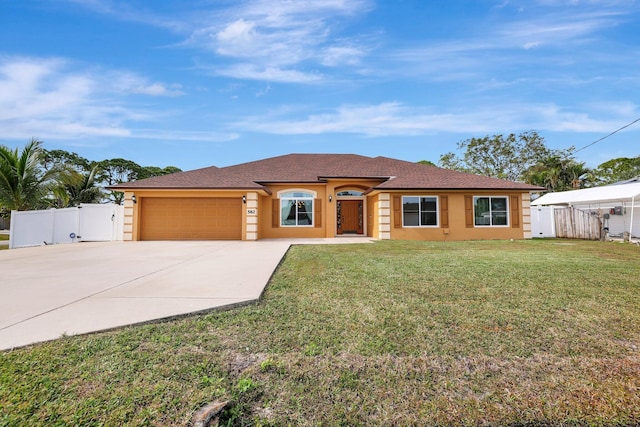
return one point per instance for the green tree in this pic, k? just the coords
(115, 171)
(619, 169)
(557, 172)
(64, 160)
(23, 183)
(426, 162)
(75, 188)
(170, 169)
(151, 171)
(498, 156)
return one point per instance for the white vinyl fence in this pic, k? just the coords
(542, 222)
(564, 222)
(85, 223)
(597, 221)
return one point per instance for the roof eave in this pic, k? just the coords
(379, 189)
(242, 188)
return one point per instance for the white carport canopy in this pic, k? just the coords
(605, 195)
(592, 196)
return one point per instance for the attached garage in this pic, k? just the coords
(177, 218)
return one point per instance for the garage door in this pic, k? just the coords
(190, 219)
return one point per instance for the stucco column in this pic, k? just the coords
(127, 234)
(526, 215)
(251, 225)
(384, 216)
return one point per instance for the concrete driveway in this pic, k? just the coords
(49, 291)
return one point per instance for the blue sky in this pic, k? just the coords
(220, 82)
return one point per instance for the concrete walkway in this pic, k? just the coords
(49, 291)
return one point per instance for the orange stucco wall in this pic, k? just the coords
(327, 226)
(373, 223)
(379, 213)
(457, 229)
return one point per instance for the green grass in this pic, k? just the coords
(393, 333)
(4, 237)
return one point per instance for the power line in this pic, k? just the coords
(605, 137)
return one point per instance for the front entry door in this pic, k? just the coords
(350, 217)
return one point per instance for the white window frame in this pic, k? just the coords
(491, 225)
(312, 195)
(420, 196)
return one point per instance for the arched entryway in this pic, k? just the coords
(350, 211)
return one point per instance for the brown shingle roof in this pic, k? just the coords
(307, 168)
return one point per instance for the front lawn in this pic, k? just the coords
(392, 333)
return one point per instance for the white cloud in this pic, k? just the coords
(334, 56)
(556, 29)
(124, 11)
(280, 38)
(54, 98)
(237, 38)
(558, 38)
(195, 136)
(158, 89)
(397, 119)
(271, 74)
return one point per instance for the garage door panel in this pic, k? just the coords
(191, 219)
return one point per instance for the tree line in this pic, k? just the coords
(36, 178)
(526, 158)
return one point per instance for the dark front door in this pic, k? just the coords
(350, 217)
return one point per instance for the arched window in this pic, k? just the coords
(349, 193)
(296, 208)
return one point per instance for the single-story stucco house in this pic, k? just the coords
(326, 195)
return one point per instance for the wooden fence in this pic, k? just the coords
(573, 223)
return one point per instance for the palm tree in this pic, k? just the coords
(23, 184)
(75, 188)
(557, 173)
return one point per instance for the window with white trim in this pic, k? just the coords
(419, 211)
(296, 209)
(491, 211)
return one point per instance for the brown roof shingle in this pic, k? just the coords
(307, 168)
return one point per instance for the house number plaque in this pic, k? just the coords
(252, 211)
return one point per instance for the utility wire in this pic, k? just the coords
(605, 137)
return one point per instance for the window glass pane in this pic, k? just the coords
(296, 194)
(350, 193)
(410, 204)
(429, 218)
(481, 211)
(482, 205)
(410, 212)
(305, 212)
(428, 204)
(287, 212)
(498, 204)
(499, 218)
(411, 219)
